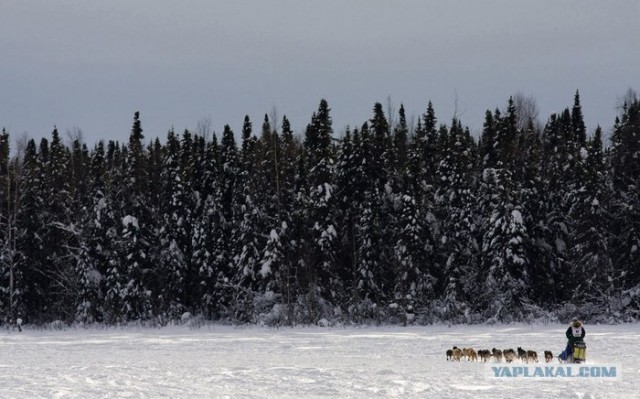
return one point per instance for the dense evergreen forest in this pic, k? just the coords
(391, 222)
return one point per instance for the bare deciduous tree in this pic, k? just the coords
(75, 134)
(411, 124)
(203, 128)
(526, 111)
(629, 97)
(274, 117)
(391, 114)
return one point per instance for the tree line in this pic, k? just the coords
(388, 223)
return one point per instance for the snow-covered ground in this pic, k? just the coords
(254, 362)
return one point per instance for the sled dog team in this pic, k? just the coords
(485, 355)
(575, 352)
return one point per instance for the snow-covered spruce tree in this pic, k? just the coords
(414, 250)
(188, 197)
(268, 304)
(195, 173)
(368, 265)
(58, 232)
(5, 228)
(200, 191)
(384, 196)
(487, 150)
(246, 261)
(291, 150)
(422, 193)
(592, 267)
(246, 229)
(266, 190)
(155, 167)
(209, 243)
(578, 139)
(381, 156)
(528, 180)
(114, 310)
(625, 169)
(417, 163)
(573, 128)
(79, 179)
(86, 295)
(552, 271)
(29, 239)
(348, 201)
(425, 157)
(136, 232)
(228, 177)
(11, 282)
(86, 274)
(90, 245)
(504, 264)
(271, 186)
(137, 173)
(96, 244)
(400, 149)
(109, 241)
(170, 286)
(369, 279)
(324, 290)
(303, 312)
(178, 224)
(458, 245)
(136, 299)
(279, 263)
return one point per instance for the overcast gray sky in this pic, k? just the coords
(92, 64)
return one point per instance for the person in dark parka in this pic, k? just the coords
(575, 333)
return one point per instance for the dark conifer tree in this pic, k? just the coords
(136, 232)
(431, 131)
(592, 266)
(79, 184)
(380, 148)
(210, 256)
(101, 235)
(369, 275)
(577, 123)
(488, 152)
(30, 226)
(625, 152)
(228, 182)
(155, 168)
(324, 284)
(289, 153)
(11, 282)
(552, 270)
(504, 259)
(414, 251)
(58, 228)
(347, 206)
(175, 230)
(400, 148)
(5, 228)
(459, 247)
(29, 240)
(247, 217)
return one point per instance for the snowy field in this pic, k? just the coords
(255, 362)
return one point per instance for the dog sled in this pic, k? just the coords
(579, 354)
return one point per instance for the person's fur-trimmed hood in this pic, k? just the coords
(576, 324)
